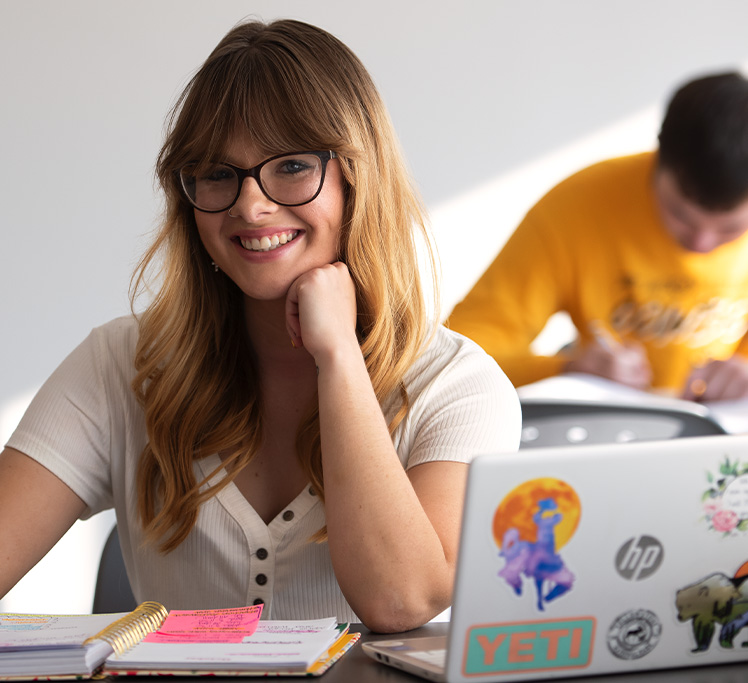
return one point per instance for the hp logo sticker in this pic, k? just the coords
(639, 557)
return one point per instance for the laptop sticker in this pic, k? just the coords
(725, 502)
(529, 646)
(531, 524)
(639, 557)
(634, 634)
(717, 599)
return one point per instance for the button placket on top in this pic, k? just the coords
(259, 589)
(257, 536)
(286, 520)
(262, 539)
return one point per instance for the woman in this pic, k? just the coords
(281, 425)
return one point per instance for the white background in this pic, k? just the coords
(494, 101)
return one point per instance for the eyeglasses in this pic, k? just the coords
(286, 179)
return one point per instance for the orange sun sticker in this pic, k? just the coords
(521, 504)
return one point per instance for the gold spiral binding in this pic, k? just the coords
(133, 627)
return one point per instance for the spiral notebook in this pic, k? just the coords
(150, 640)
(593, 560)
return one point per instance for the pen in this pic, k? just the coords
(604, 337)
(698, 385)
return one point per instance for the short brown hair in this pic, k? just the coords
(704, 140)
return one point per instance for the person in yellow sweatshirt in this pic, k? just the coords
(648, 254)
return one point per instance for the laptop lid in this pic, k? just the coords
(598, 559)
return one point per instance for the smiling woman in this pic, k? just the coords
(304, 230)
(284, 402)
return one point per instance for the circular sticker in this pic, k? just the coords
(634, 634)
(735, 497)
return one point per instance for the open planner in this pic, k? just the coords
(150, 640)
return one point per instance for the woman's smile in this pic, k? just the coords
(265, 242)
(264, 246)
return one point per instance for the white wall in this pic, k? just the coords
(494, 101)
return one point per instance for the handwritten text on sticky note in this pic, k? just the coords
(230, 625)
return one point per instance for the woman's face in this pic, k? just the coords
(306, 236)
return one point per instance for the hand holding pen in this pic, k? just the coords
(609, 357)
(718, 380)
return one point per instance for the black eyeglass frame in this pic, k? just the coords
(254, 172)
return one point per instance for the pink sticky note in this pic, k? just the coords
(230, 625)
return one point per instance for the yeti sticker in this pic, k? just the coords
(532, 523)
(716, 599)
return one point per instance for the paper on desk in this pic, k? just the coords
(731, 415)
(207, 626)
(581, 386)
(50, 630)
(308, 626)
(258, 652)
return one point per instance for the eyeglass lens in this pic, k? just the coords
(292, 179)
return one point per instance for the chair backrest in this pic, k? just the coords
(557, 422)
(113, 592)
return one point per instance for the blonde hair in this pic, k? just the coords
(290, 86)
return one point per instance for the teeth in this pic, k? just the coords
(266, 243)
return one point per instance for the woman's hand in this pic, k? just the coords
(321, 309)
(395, 576)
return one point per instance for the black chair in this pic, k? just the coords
(559, 422)
(113, 592)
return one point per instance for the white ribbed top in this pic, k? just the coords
(86, 426)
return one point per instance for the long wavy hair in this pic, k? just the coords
(289, 86)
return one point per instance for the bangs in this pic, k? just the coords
(276, 105)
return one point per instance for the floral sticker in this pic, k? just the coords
(725, 502)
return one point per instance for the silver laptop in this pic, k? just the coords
(597, 559)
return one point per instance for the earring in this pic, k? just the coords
(215, 267)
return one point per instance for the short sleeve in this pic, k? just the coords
(68, 425)
(462, 405)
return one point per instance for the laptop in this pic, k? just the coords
(586, 560)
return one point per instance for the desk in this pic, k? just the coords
(356, 667)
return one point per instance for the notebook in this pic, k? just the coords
(152, 641)
(598, 559)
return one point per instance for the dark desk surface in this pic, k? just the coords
(356, 667)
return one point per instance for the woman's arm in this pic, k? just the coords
(36, 509)
(393, 535)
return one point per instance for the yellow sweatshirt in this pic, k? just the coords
(595, 247)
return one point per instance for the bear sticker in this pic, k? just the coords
(715, 599)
